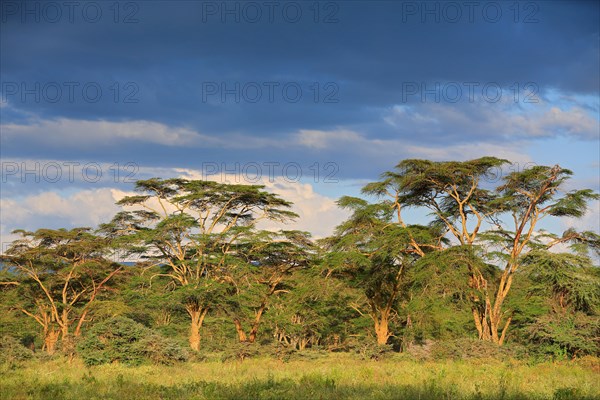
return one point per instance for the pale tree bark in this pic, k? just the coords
(240, 330)
(382, 330)
(381, 319)
(50, 332)
(254, 330)
(490, 322)
(197, 315)
(50, 339)
(381, 315)
(487, 308)
(57, 324)
(263, 306)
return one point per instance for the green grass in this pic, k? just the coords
(339, 376)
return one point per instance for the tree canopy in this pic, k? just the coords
(475, 264)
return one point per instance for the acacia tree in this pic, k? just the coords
(189, 228)
(314, 313)
(270, 260)
(456, 195)
(440, 297)
(373, 251)
(60, 274)
(570, 284)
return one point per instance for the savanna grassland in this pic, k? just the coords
(334, 376)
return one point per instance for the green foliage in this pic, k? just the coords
(59, 275)
(202, 235)
(464, 207)
(562, 335)
(569, 279)
(123, 340)
(570, 286)
(241, 350)
(12, 321)
(374, 351)
(374, 253)
(315, 313)
(12, 351)
(439, 304)
(445, 273)
(211, 277)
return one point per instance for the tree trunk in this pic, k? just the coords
(197, 319)
(488, 318)
(66, 342)
(240, 330)
(194, 336)
(488, 324)
(254, 330)
(382, 330)
(82, 319)
(50, 340)
(303, 343)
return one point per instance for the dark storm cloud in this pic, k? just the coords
(166, 64)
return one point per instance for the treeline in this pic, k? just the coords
(479, 269)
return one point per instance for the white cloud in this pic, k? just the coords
(318, 214)
(325, 139)
(75, 133)
(487, 121)
(70, 132)
(377, 149)
(84, 208)
(575, 121)
(589, 222)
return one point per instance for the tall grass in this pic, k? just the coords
(339, 376)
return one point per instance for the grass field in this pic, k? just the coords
(340, 376)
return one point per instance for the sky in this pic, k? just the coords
(312, 99)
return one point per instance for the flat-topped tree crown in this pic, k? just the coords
(542, 187)
(422, 182)
(193, 230)
(372, 251)
(62, 247)
(538, 185)
(212, 200)
(60, 273)
(452, 190)
(270, 259)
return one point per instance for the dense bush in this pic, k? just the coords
(123, 340)
(463, 349)
(373, 351)
(241, 351)
(566, 335)
(11, 350)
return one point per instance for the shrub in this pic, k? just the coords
(121, 339)
(240, 351)
(565, 336)
(11, 350)
(161, 350)
(420, 351)
(467, 349)
(374, 351)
